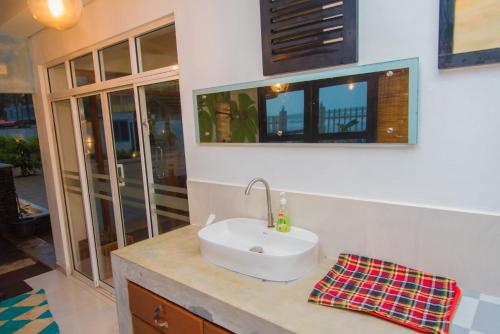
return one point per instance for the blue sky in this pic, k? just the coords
(293, 102)
(333, 97)
(340, 96)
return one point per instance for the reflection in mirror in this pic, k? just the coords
(372, 104)
(283, 112)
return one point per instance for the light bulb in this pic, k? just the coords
(278, 88)
(56, 7)
(57, 14)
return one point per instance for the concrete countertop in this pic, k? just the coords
(171, 266)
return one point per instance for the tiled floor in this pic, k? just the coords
(477, 314)
(77, 308)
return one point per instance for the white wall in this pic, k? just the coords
(455, 162)
(454, 165)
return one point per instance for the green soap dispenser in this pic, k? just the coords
(283, 224)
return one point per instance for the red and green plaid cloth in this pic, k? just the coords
(390, 291)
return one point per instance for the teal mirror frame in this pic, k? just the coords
(413, 93)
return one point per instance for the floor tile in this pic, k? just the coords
(77, 307)
(487, 318)
(7, 268)
(471, 293)
(490, 299)
(466, 312)
(458, 330)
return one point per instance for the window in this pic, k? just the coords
(341, 110)
(57, 78)
(157, 49)
(82, 70)
(284, 112)
(115, 61)
(121, 131)
(346, 111)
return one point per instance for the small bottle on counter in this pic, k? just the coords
(283, 223)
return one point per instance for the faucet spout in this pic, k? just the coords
(270, 219)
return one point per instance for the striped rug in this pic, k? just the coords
(27, 314)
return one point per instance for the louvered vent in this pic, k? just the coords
(305, 34)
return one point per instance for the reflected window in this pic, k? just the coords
(115, 61)
(370, 107)
(157, 49)
(343, 108)
(82, 70)
(346, 109)
(283, 112)
(57, 78)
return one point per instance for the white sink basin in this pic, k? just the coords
(284, 257)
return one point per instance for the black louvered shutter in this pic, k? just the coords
(306, 34)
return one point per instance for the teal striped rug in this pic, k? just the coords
(27, 314)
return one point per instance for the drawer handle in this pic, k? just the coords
(156, 318)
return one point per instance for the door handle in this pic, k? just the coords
(156, 318)
(121, 175)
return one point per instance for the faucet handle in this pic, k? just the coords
(210, 219)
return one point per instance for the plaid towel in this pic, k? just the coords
(393, 292)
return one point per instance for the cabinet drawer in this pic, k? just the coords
(163, 315)
(141, 327)
(209, 328)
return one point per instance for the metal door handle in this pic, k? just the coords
(121, 175)
(156, 318)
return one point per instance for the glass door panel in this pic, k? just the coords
(129, 165)
(166, 163)
(70, 172)
(100, 189)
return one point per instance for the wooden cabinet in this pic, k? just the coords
(210, 328)
(142, 327)
(152, 314)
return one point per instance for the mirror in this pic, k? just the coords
(367, 104)
(469, 32)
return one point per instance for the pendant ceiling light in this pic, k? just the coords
(58, 14)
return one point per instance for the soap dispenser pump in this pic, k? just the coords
(283, 223)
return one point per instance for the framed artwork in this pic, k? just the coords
(469, 32)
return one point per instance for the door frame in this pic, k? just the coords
(102, 88)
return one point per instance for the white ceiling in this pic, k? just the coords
(16, 19)
(10, 8)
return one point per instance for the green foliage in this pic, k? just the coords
(244, 117)
(206, 116)
(21, 153)
(347, 126)
(244, 120)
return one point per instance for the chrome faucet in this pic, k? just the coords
(270, 219)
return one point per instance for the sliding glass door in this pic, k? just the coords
(99, 168)
(118, 126)
(123, 169)
(71, 174)
(166, 163)
(128, 156)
